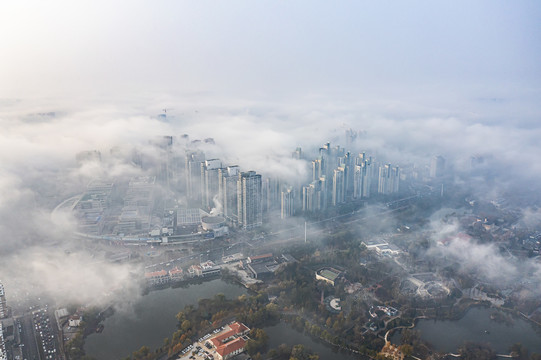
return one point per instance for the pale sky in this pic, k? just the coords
(278, 50)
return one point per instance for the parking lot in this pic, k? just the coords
(201, 349)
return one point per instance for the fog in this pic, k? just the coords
(414, 80)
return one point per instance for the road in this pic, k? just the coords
(30, 348)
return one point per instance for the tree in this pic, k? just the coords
(406, 349)
(519, 351)
(474, 351)
(186, 324)
(142, 352)
(299, 352)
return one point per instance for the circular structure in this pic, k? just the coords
(212, 222)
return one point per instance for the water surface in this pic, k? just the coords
(476, 326)
(284, 334)
(151, 318)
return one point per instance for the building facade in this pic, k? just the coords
(389, 179)
(249, 207)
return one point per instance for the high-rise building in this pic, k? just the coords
(271, 194)
(314, 197)
(193, 175)
(437, 166)
(87, 156)
(338, 186)
(228, 191)
(362, 180)
(250, 212)
(297, 154)
(210, 182)
(288, 203)
(3, 353)
(3, 306)
(318, 168)
(348, 161)
(389, 179)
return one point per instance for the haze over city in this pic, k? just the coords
(409, 84)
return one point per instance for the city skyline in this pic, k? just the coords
(158, 142)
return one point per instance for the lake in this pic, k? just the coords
(150, 319)
(449, 335)
(284, 334)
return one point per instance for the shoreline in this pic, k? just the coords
(513, 313)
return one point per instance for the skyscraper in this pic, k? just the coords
(338, 186)
(3, 306)
(210, 182)
(348, 161)
(193, 175)
(437, 166)
(318, 168)
(297, 154)
(228, 190)
(314, 197)
(288, 203)
(250, 212)
(389, 178)
(362, 180)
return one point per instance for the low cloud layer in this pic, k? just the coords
(40, 139)
(483, 261)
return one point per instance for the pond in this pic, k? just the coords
(151, 318)
(477, 326)
(284, 334)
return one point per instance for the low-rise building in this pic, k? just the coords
(75, 320)
(176, 274)
(204, 269)
(389, 249)
(157, 277)
(231, 342)
(259, 258)
(328, 274)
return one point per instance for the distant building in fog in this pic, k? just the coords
(362, 180)
(193, 175)
(287, 203)
(314, 196)
(437, 166)
(210, 181)
(228, 191)
(87, 156)
(297, 154)
(389, 179)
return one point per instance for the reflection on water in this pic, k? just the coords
(476, 326)
(151, 319)
(283, 334)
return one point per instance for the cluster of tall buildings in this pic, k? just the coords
(3, 314)
(237, 194)
(136, 213)
(3, 306)
(338, 176)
